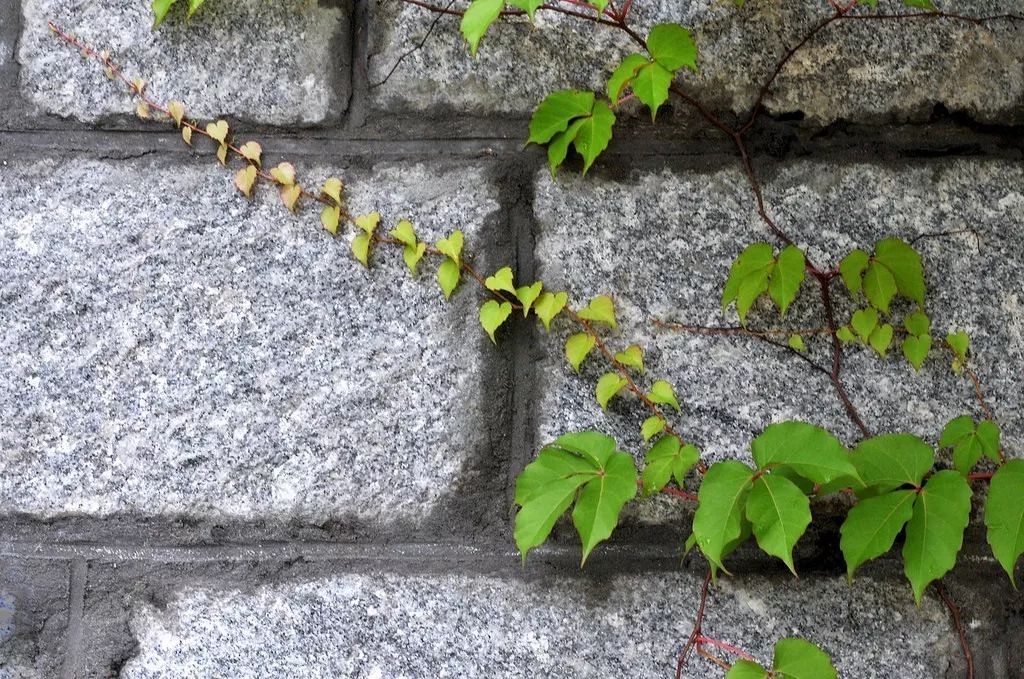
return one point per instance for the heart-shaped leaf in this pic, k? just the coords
(549, 305)
(218, 131)
(245, 178)
(492, 315)
(404, 233)
(501, 280)
(252, 152)
(451, 246)
(284, 174)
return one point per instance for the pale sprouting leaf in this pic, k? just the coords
(652, 426)
(245, 178)
(608, 387)
(779, 513)
(290, 196)
(528, 6)
(329, 217)
(1004, 515)
(796, 343)
(872, 525)
(492, 315)
(218, 131)
(412, 256)
(527, 295)
(368, 223)
(451, 246)
(935, 531)
(404, 233)
(176, 110)
(252, 152)
(916, 349)
(333, 188)
(283, 174)
(361, 248)
(881, 338)
(577, 347)
(160, 8)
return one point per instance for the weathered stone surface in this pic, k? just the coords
(172, 349)
(662, 243)
(628, 626)
(33, 614)
(858, 70)
(273, 62)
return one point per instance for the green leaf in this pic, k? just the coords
(745, 669)
(796, 343)
(750, 262)
(799, 659)
(404, 233)
(577, 348)
(845, 334)
(988, 435)
(478, 18)
(601, 309)
(864, 322)
(959, 343)
(852, 269)
(936, 529)
(501, 280)
(779, 513)
(594, 134)
(920, 4)
(609, 387)
(651, 427)
(916, 349)
(719, 516)
(448, 277)
(194, 5)
(599, 4)
(650, 85)
(666, 459)
(881, 338)
(662, 393)
(970, 442)
(786, 276)
(558, 149)
(956, 430)
(917, 323)
(872, 525)
(892, 460)
(413, 255)
(361, 248)
(672, 46)
(548, 306)
(160, 8)
(592, 445)
(810, 451)
(1004, 515)
(544, 492)
(905, 265)
(451, 246)
(527, 295)
(597, 509)
(879, 286)
(631, 357)
(528, 6)
(623, 75)
(556, 111)
(492, 315)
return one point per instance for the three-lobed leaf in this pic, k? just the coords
(556, 111)
(668, 458)
(970, 442)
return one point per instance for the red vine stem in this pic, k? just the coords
(958, 623)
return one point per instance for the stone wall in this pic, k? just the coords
(226, 450)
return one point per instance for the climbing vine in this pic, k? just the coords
(899, 482)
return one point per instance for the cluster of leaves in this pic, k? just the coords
(162, 7)
(758, 271)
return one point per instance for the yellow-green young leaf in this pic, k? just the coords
(1004, 515)
(917, 323)
(718, 521)
(601, 500)
(881, 338)
(528, 6)
(666, 459)
(594, 134)
(501, 280)
(252, 152)
(845, 334)
(329, 217)
(779, 513)
(852, 270)
(176, 110)
(283, 174)
(879, 286)
(412, 256)
(746, 669)
(245, 178)
(959, 342)
(404, 233)
(448, 277)
(527, 295)
(796, 343)
(904, 264)
(872, 525)
(477, 19)
(160, 8)
(548, 306)
(332, 188)
(936, 530)
(748, 277)
(608, 387)
(601, 309)
(799, 659)
(624, 74)
(451, 246)
(193, 5)
(916, 349)
(651, 427)
(920, 4)
(889, 461)
(361, 248)
(558, 148)
(368, 223)
(290, 196)
(786, 277)
(650, 85)
(577, 348)
(810, 451)
(672, 46)
(492, 315)
(186, 135)
(662, 393)
(222, 154)
(864, 322)
(556, 111)
(631, 357)
(218, 131)
(599, 4)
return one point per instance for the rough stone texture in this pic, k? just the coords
(33, 613)
(449, 626)
(663, 244)
(171, 349)
(865, 70)
(282, 62)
